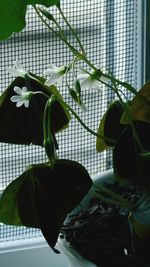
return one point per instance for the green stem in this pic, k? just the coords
(60, 29)
(48, 138)
(72, 30)
(57, 34)
(41, 93)
(83, 55)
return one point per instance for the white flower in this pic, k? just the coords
(92, 79)
(18, 70)
(55, 73)
(23, 96)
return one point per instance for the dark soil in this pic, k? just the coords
(101, 233)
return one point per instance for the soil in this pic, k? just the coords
(101, 233)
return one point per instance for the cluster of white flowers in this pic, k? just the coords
(88, 80)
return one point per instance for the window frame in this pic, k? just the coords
(38, 248)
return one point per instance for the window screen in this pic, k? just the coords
(110, 35)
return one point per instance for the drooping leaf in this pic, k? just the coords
(45, 195)
(140, 106)
(110, 126)
(25, 125)
(127, 160)
(12, 14)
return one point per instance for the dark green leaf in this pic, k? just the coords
(12, 14)
(12, 17)
(25, 125)
(43, 196)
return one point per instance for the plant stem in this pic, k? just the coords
(71, 29)
(57, 34)
(82, 55)
(48, 138)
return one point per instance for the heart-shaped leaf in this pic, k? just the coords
(12, 14)
(25, 125)
(110, 126)
(45, 195)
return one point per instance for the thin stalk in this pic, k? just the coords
(60, 29)
(41, 93)
(72, 30)
(57, 34)
(83, 55)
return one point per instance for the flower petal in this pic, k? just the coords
(18, 70)
(53, 79)
(18, 65)
(86, 84)
(82, 76)
(24, 89)
(50, 70)
(19, 103)
(59, 81)
(15, 98)
(26, 103)
(18, 90)
(12, 71)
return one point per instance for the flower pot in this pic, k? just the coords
(116, 243)
(73, 256)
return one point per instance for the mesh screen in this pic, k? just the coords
(108, 31)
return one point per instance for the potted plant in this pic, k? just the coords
(32, 111)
